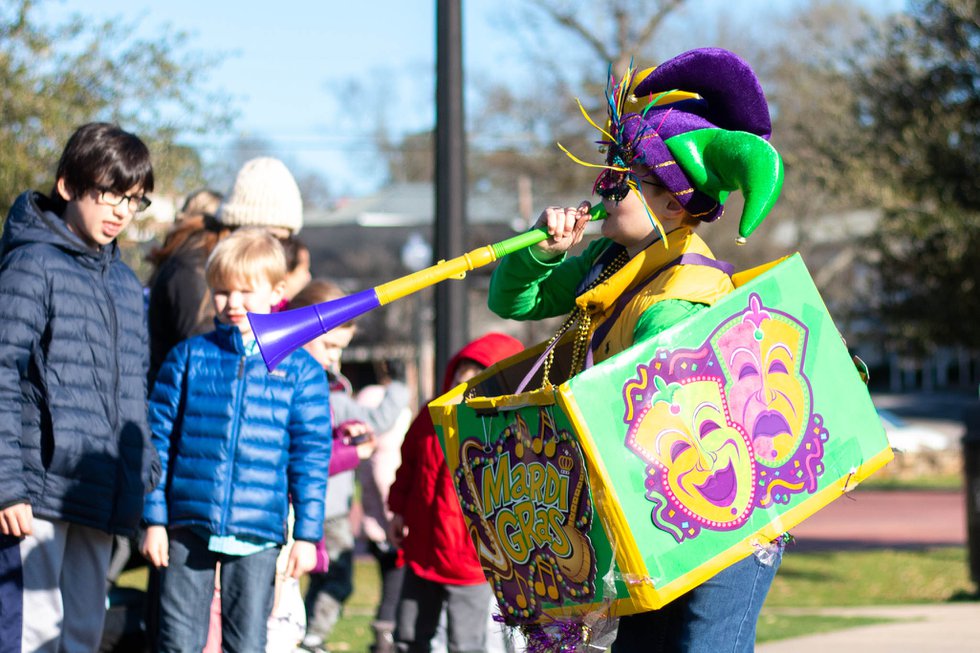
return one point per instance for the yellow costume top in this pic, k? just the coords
(647, 295)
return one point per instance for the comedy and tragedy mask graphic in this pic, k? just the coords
(526, 498)
(727, 427)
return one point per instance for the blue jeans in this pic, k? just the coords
(187, 587)
(718, 616)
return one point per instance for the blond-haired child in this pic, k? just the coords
(238, 445)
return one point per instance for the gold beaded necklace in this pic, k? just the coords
(583, 321)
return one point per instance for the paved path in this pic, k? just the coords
(935, 628)
(866, 519)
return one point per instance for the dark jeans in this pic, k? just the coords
(718, 616)
(338, 581)
(187, 587)
(11, 594)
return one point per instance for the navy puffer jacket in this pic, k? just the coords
(74, 441)
(237, 442)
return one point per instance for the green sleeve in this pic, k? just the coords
(663, 315)
(523, 287)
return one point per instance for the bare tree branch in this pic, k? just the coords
(567, 19)
(646, 33)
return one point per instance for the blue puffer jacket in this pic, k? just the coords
(237, 442)
(74, 441)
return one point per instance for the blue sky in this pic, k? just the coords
(284, 59)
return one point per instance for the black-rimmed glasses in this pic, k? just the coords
(136, 203)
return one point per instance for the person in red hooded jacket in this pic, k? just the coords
(442, 563)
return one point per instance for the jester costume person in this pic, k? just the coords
(682, 136)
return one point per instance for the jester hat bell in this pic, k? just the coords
(700, 123)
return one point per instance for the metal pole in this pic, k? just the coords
(451, 328)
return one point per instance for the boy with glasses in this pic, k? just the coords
(75, 452)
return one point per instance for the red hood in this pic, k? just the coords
(485, 350)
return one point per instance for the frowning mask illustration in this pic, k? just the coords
(763, 359)
(761, 352)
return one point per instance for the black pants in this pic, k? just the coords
(327, 592)
(392, 577)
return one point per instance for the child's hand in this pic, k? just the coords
(366, 449)
(17, 520)
(565, 227)
(302, 558)
(397, 530)
(361, 436)
(156, 546)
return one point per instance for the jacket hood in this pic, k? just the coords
(32, 220)
(485, 350)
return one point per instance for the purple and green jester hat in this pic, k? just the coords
(700, 124)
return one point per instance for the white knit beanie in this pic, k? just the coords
(264, 195)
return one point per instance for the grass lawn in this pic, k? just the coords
(773, 626)
(353, 631)
(928, 482)
(853, 578)
(873, 577)
(805, 580)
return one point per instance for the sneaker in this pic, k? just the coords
(384, 640)
(314, 644)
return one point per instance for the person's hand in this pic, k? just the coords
(302, 558)
(397, 530)
(156, 546)
(362, 437)
(565, 227)
(17, 520)
(366, 449)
